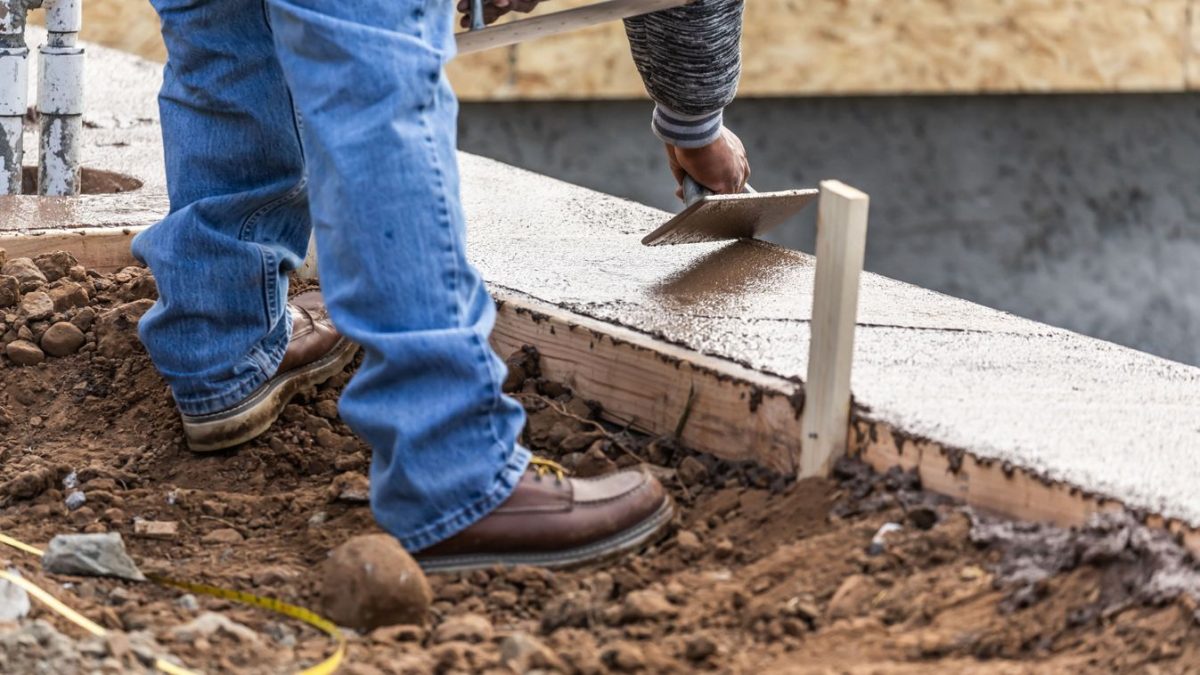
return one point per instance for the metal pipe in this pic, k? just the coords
(60, 99)
(14, 93)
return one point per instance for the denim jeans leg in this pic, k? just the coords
(239, 215)
(379, 132)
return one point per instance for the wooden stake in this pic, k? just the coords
(841, 245)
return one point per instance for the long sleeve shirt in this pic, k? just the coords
(690, 60)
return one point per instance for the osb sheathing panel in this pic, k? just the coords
(814, 47)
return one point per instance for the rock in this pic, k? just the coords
(68, 295)
(522, 652)
(327, 409)
(851, 598)
(14, 601)
(156, 529)
(75, 500)
(595, 462)
(471, 628)
(56, 265)
(371, 581)
(647, 605)
(699, 648)
(689, 543)
(26, 272)
(101, 555)
(116, 329)
(84, 318)
(224, 535)
(36, 305)
(24, 353)
(210, 624)
(350, 487)
(692, 471)
(187, 602)
(570, 610)
(29, 484)
(10, 291)
(330, 440)
(62, 339)
(624, 656)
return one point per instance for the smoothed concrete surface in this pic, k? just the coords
(1105, 418)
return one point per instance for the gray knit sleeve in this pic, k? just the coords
(690, 59)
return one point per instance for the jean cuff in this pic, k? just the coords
(260, 365)
(453, 523)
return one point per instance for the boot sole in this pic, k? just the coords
(616, 545)
(250, 418)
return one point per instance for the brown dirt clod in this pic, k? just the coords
(371, 581)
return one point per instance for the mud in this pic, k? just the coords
(760, 573)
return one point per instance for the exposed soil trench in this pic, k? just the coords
(761, 574)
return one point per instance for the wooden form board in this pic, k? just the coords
(841, 246)
(736, 413)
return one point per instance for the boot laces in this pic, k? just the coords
(545, 466)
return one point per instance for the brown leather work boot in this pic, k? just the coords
(315, 353)
(554, 521)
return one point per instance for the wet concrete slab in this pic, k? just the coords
(1104, 418)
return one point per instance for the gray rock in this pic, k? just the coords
(92, 555)
(75, 500)
(14, 601)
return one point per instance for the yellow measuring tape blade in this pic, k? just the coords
(326, 667)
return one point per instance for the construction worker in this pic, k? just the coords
(284, 117)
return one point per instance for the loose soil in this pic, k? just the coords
(761, 573)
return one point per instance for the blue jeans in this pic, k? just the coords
(281, 117)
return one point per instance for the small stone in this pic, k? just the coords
(699, 648)
(114, 515)
(851, 597)
(689, 543)
(156, 529)
(328, 439)
(90, 555)
(724, 548)
(36, 306)
(75, 500)
(62, 339)
(26, 272)
(472, 628)
(317, 519)
(692, 471)
(595, 462)
(224, 535)
(350, 487)
(371, 581)
(522, 652)
(14, 601)
(210, 624)
(78, 273)
(68, 295)
(187, 602)
(56, 265)
(624, 657)
(327, 409)
(10, 291)
(84, 318)
(24, 353)
(647, 605)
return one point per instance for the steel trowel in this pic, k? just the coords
(712, 217)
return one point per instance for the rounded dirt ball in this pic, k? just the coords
(371, 581)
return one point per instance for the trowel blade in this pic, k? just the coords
(723, 217)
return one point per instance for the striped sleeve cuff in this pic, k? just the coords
(687, 131)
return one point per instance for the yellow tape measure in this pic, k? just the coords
(326, 667)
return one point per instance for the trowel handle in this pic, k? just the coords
(694, 192)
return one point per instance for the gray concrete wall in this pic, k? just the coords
(1078, 211)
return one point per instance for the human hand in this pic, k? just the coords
(494, 9)
(720, 166)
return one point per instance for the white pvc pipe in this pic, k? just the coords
(14, 93)
(60, 99)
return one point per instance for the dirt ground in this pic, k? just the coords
(760, 574)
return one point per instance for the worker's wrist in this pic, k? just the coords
(687, 131)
